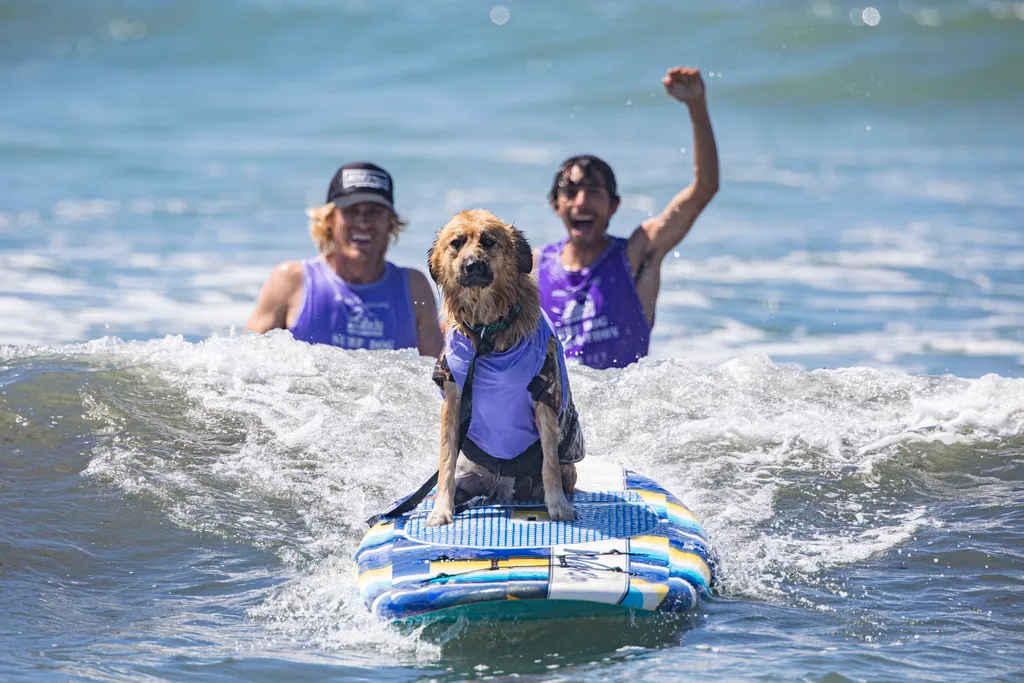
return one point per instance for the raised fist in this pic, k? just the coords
(684, 84)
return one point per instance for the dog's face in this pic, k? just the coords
(476, 250)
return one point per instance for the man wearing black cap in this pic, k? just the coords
(350, 296)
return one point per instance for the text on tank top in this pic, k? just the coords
(595, 311)
(375, 316)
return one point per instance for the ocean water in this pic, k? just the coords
(836, 385)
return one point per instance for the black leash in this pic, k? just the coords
(486, 334)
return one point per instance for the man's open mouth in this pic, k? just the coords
(582, 225)
(361, 237)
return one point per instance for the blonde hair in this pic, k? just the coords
(321, 222)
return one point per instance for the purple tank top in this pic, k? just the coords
(596, 311)
(502, 422)
(378, 315)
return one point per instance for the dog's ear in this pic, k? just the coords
(430, 264)
(524, 254)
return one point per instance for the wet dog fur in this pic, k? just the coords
(483, 267)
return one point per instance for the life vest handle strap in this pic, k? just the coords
(485, 346)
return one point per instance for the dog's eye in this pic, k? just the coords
(457, 243)
(487, 242)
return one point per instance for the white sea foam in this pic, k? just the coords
(731, 337)
(820, 276)
(334, 435)
(24, 319)
(952, 190)
(683, 298)
(143, 307)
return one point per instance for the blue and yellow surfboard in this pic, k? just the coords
(634, 546)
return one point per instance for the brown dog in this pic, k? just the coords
(483, 267)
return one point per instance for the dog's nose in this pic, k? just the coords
(475, 273)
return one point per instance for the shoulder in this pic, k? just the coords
(276, 297)
(286, 276)
(416, 278)
(421, 293)
(545, 253)
(418, 282)
(547, 250)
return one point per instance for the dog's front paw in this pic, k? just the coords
(562, 512)
(440, 517)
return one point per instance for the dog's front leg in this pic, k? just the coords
(558, 507)
(444, 501)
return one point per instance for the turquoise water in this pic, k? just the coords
(837, 381)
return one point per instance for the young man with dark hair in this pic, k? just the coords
(598, 290)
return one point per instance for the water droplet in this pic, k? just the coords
(499, 14)
(628, 102)
(871, 16)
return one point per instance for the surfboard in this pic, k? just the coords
(634, 547)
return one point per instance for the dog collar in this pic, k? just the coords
(501, 324)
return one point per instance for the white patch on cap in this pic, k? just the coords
(358, 177)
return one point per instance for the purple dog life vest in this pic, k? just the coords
(378, 315)
(596, 311)
(502, 421)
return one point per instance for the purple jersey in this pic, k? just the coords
(595, 311)
(378, 315)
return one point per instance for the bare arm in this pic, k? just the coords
(661, 234)
(277, 298)
(428, 332)
(657, 236)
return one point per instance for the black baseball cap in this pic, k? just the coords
(360, 182)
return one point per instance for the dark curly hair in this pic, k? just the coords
(590, 165)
